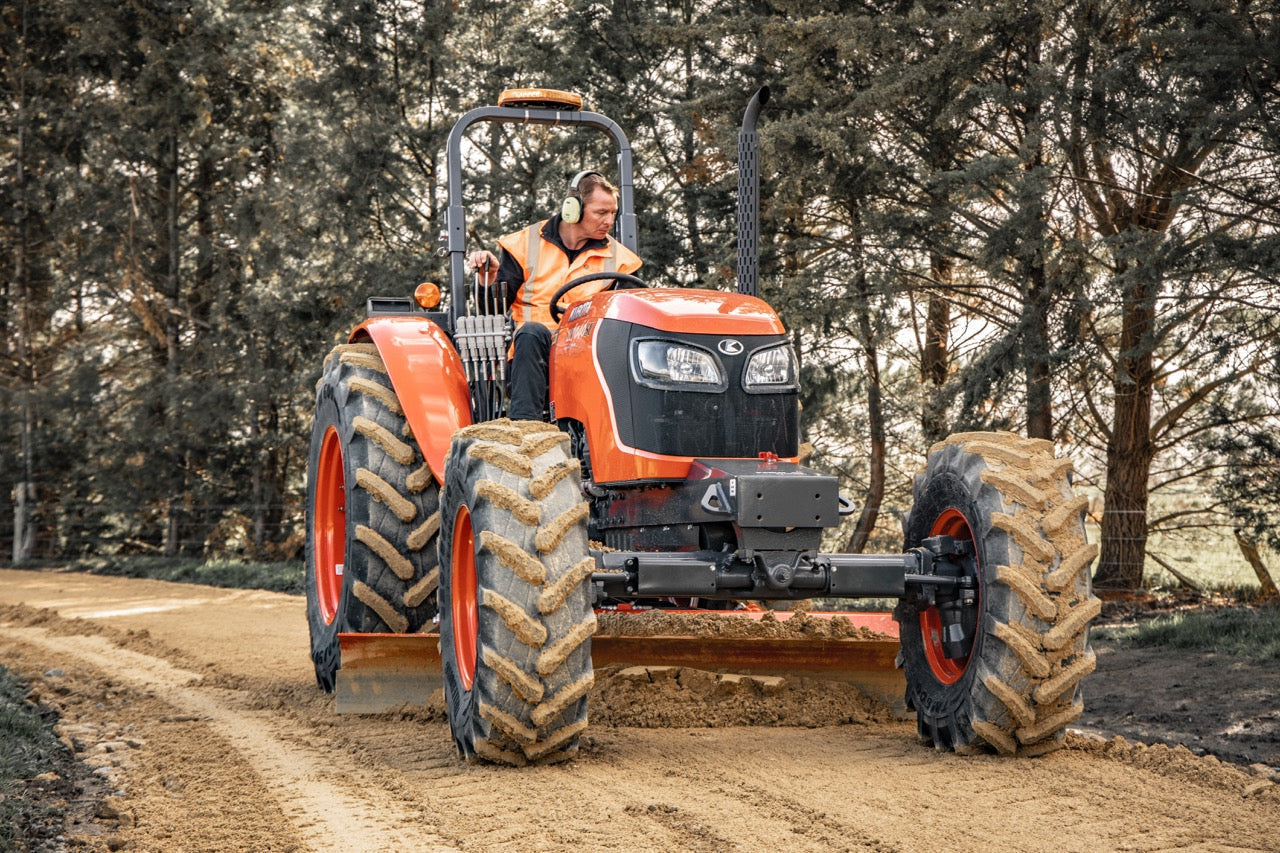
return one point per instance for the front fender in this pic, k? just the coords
(428, 379)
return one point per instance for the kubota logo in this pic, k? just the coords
(730, 346)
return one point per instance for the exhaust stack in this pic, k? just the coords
(749, 196)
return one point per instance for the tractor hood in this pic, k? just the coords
(641, 426)
(708, 312)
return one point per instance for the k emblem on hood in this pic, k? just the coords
(730, 346)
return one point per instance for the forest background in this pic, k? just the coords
(1060, 218)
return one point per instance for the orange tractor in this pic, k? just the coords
(668, 476)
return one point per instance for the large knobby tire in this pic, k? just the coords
(372, 512)
(515, 594)
(1019, 686)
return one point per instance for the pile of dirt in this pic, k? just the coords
(681, 697)
(685, 697)
(663, 623)
(22, 614)
(138, 639)
(1179, 762)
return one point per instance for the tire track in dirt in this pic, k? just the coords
(332, 803)
(698, 781)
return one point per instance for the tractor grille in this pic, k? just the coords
(729, 423)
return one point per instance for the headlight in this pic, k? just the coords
(676, 367)
(772, 369)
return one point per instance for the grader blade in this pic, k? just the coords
(389, 672)
(386, 672)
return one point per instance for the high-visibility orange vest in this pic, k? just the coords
(547, 268)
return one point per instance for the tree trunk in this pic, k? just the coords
(1254, 559)
(1038, 300)
(24, 487)
(277, 466)
(875, 485)
(936, 356)
(1035, 353)
(875, 409)
(688, 144)
(168, 180)
(1131, 450)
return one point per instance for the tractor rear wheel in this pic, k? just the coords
(372, 512)
(515, 594)
(1016, 686)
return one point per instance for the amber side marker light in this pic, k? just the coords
(427, 295)
(547, 99)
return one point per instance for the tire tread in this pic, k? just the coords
(1034, 651)
(528, 700)
(390, 572)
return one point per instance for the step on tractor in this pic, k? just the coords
(447, 544)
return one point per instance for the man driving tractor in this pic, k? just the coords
(536, 262)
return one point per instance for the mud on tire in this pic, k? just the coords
(1019, 686)
(372, 511)
(516, 617)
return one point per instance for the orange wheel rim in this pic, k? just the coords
(947, 670)
(462, 597)
(329, 532)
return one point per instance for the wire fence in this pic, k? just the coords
(272, 530)
(1207, 555)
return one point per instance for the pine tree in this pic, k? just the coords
(1162, 139)
(42, 318)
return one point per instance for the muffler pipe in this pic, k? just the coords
(749, 196)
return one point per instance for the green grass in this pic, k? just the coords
(235, 574)
(1252, 634)
(28, 748)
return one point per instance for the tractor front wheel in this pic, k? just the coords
(372, 512)
(1012, 679)
(515, 594)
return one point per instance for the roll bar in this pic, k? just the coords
(456, 229)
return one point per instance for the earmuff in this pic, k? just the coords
(571, 207)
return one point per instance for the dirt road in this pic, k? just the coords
(199, 707)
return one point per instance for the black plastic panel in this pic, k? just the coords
(691, 423)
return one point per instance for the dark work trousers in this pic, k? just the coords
(531, 351)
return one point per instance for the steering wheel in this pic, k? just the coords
(621, 281)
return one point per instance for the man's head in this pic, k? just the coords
(595, 202)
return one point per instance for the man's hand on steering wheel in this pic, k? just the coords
(621, 281)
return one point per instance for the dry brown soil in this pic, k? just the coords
(1213, 703)
(197, 707)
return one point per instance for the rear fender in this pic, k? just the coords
(428, 379)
